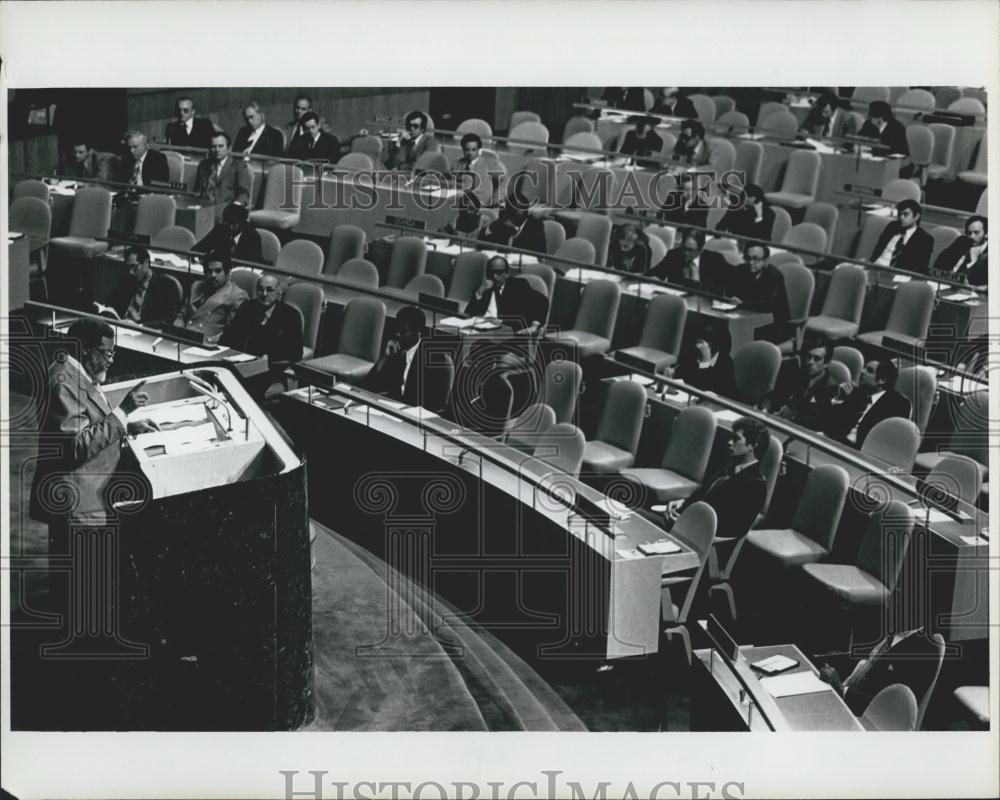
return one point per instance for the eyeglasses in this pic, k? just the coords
(413, 125)
(109, 355)
(184, 110)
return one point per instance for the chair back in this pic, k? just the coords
(555, 236)
(174, 237)
(537, 284)
(944, 96)
(409, 259)
(575, 249)
(302, 257)
(175, 166)
(657, 250)
(696, 527)
(972, 428)
(721, 155)
(176, 289)
(892, 709)
(782, 224)
(780, 260)
(871, 230)
(532, 136)
(967, 105)
(562, 385)
(362, 329)
(246, 279)
(911, 309)
(756, 365)
(283, 188)
(821, 504)
(30, 187)
(920, 140)
(32, 216)
(467, 275)
(690, 443)
(91, 216)
(837, 373)
(704, 106)
(800, 283)
(358, 272)
(543, 271)
(826, 216)
(982, 203)
(802, 173)
(664, 326)
(531, 423)
(596, 229)
(845, 296)
(770, 467)
(517, 117)
(621, 419)
(749, 159)
(730, 120)
(769, 108)
(355, 162)
(899, 189)
(944, 143)
(956, 476)
(895, 441)
(562, 447)
(575, 125)
(424, 284)
(925, 701)
(916, 98)
(598, 310)
(851, 358)
(480, 127)
(722, 245)
(154, 213)
(883, 547)
(919, 385)
(346, 242)
(270, 245)
(807, 235)
(308, 299)
(869, 94)
(665, 235)
(723, 104)
(584, 139)
(436, 163)
(781, 124)
(371, 146)
(943, 237)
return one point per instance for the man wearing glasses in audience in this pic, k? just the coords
(414, 142)
(144, 296)
(759, 286)
(189, 130)
(966, 258)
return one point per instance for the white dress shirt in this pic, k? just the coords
(885, 257)
(406, 370)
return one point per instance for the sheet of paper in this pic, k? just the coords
(457, 322)
(628, 555)
(931, 515)
(719, 305)
(171, 414)
(200, 352)
(239, 357)
(127, 332)
(660, 548)
(194, 434)
(900, 278)
(958, 297)
(794, 684)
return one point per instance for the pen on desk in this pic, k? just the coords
(156, 341)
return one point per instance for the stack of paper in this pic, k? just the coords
(180, 414)
(794, 684)
(659, 548)
(628, 554)
(201, 352)
(719, 305)
(457, 322)
(958, 297)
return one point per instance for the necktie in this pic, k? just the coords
(137, 174)
(826, 128)
(865, 666)
(897, 251)
(134, 312)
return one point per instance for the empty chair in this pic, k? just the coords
(245, 278)
(943, 237)
(436, 163)
(595, 319)
(174, 237)
(684, 460)
(371, 146)
(517, 117)
(270, 245)
(528, 137)
(723, 105)
(302, 257)
(956, 476)
(916, 99)
(282, 198)
(423, 284)
(596, 229)
(562, 385)
(525, 430)
(841, 313)
(31, 187)
(971, 433)
(544, 272)
(467, 276)
(871, 229)
(657, 250)
(89, 221)
(781, 124)
(826, 216)
(409, 259)
(756, 365)
(871, 579)
(976, 175)
(480, 127)
(662, 332)
(895, 441)
(868, 94)
(800, 283)
(944, 147)
(817, 515)
(721, 155)
(769, 108)
(613, 449)
(575, 249)
(851, 358)
(308, 299)
(944, 96)
(175, 166)
(892, 709)
(360, 340)
(967, 105)
(782, 224)
(808, 236)
(346, 242)
(561, 447)
(900, 189)
(32, 216)
(909, 317)
(920, 140)
(153, 213)
(355, 162)
(705, 108)
(734, 121)
(360, 273)
(798, 188)
(584, 140)
(555, 235)
(575, 125)
(696, 527)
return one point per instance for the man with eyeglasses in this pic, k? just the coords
(257, 136)
(413, 143)
(759, 286)
(804, 395)
(189, 130)
(213, 301)
(220, 178)
(142, 295)
(314, 144)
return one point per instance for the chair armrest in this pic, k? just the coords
(675, 580)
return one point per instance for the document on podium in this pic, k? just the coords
(173, 441)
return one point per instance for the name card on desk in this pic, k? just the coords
(177, 186)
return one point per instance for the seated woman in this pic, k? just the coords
(629, 251)
(749, 215)
(709, 367)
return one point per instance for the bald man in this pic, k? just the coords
(142, 166)
(266, 325)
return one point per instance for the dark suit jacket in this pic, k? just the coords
(763, 292)
(893, 137)
(327, 148)
(912, 661)
(677, 210)
(248, 248)
(269, 143)
(843, 124)
(201, 133)
(79, 448)
(953, 259)
(713, 269)
(94, 166)
(916, 255)
(518, 307)
(682, 108)
(809, 403)
(280, 339)
(742, 222)
(154, 168)
(160, 304)
(853, 412)
(650, 145)
(737, 499)
(531, 237)
(426, 385)
(639, 256)
(232, 186)
(720, 378)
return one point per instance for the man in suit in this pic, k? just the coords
(966, 257)
(221, 178)
(643, 140)
(189, 130)
(706, 364)
(804, 395)
(691, 148)
(234, 235)
(515, 227)
(471, 144)
(882, 125)
(749, 215)
(214, 300)
(671, 104)
(511, 300)
(294, 130)
(759, 286)
(314, 144)
(828, 118)
(404, 372)
(692, 264)
(413, 143)
(142, 166)
(857, 409)
(687, 205)
(904, 244)
(257, 136)
(84, 162)
(142, 295)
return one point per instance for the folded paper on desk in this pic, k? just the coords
(660, 548)
(201, 352)
(794, 684)
(629, 554)
(584, 275)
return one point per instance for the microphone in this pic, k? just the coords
(202, 387)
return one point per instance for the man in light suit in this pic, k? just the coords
(213, 301)
(221, 178)
(257, 136)
(413, 143)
